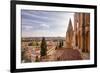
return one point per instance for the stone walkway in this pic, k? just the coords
(68, 54)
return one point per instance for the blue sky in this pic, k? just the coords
(37, 23)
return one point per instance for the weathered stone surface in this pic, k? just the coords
(67, 54)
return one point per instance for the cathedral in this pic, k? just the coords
(78, 36)
(77, 42)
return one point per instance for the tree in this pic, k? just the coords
(43, 47)
(30, 44)
(37, 44)
(60, 44)
(34, 43)
(37, 59)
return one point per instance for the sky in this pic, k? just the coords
(39, 23)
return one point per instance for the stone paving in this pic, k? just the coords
(68, 54)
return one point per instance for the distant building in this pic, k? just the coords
(82, 31)
(69, 35)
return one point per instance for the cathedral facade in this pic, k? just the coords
(82, 31)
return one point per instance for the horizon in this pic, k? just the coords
(43, 36)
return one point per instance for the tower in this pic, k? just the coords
(69, 35)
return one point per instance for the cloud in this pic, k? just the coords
(44, 26)
(26, 27)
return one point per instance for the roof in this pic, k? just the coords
(70, 27)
